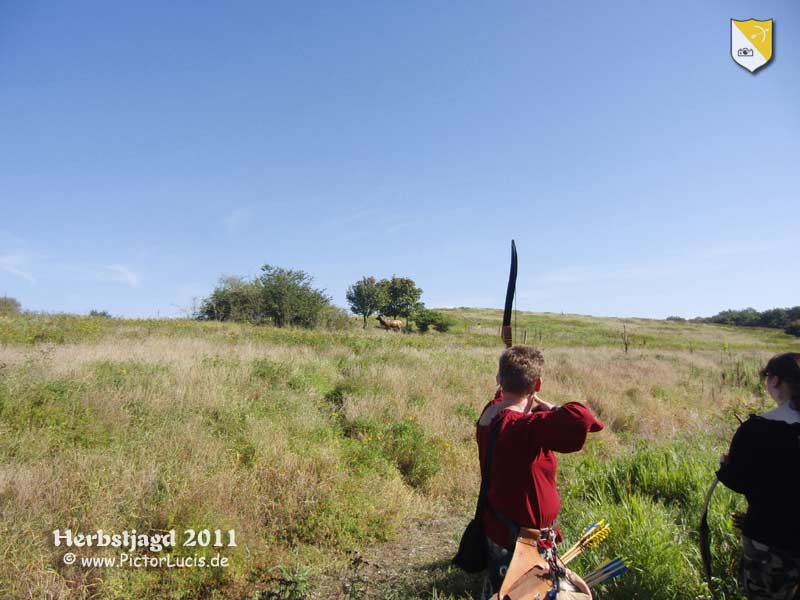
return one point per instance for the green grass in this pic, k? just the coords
(315, 445)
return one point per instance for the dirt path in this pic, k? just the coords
(416, 564)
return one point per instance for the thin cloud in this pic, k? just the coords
(236, 219)
(122, 274)
(584, 275)
(738, 249)
(357, 215)
(16, 264)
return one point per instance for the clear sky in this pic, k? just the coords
(147, 148)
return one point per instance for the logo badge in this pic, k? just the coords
(751, 43)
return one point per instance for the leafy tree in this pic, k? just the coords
(402, 297)
(288, 297)
(747, 318)
(426, 319)
(234, 299)
(9, 306)
(335, 318)
(283, 297)
(366, 297)
(793, 328)
(104, 314)
(776, 317)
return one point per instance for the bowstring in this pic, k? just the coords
(515, 312)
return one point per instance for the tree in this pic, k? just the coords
(366, 297)
(9, 306)
(776, 317)
(234, 299)
(281, 296)
(747, 317)
(793, 328)
(402, 297)
(289, 299)
(426, 319)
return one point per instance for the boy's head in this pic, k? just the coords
(520, 370)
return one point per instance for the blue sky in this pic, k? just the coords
(148, 148)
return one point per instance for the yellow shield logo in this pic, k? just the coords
(751, 43)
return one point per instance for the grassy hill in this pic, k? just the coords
(345, 460)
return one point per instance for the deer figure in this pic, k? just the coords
(390, 324)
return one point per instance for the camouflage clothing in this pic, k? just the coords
(768, 574)
(499, 559)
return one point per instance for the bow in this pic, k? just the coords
(705, 537)
(506, 332)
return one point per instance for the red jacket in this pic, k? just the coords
(522, 483)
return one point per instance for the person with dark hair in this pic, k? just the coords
(762, 464)
(522, 484)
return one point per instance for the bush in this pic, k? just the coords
(289, 299)
(777, 318)
(335, 319)
(793, 328)
(234, 299)
(426, 319)
(674, 318)
(414, 454)
(283, 297)
(103, 314)
(9, 306)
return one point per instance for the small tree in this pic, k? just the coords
(234, 299)
(9, 306)
(103, 314)
(793, 328)
(289, 299)
(402, 297)
(432, 319)
(365, 297)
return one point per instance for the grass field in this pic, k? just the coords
(345, 461)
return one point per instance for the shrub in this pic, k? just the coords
(335, 319)
(234, 299)
(426, 319)
(793, 328)
(9, 306)
(274, 373)
(283, 297)
(416, 455)
(104, 314)
(289, 299)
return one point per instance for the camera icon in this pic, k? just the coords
(745, 52)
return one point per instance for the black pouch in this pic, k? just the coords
(472, 555)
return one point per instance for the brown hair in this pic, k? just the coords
(520, 367)
(786, 367)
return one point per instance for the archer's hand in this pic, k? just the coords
(541, 403)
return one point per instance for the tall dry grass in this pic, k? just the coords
(309, 444)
